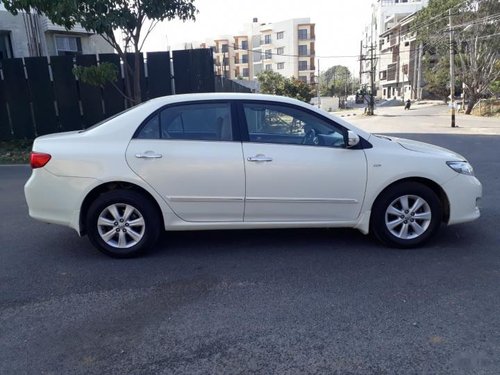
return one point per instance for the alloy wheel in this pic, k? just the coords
(121, 225)
(408, 217)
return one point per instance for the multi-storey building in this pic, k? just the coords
(26, 35)
(286, 47)
(399, 75)
(386, 14)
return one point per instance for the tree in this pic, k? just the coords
(271, 82)
(300, 90)
(495, 85)
(437, 77)
(275, 84)
(336, 81)
(133, 20)
(476, 44)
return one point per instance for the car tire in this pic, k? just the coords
(123, 223)
(406, 215)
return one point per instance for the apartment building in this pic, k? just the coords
(399, 75)
(26, 35)
(286, 47)
(385, 15)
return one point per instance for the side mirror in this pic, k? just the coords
(352, 139)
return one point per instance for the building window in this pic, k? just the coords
(5, 45)
(244, 44)
(268, 67)
(302, 65)
(268, 54)
(280, 35)
(303, 50)
(302, 34)
(245, 72)
(267, 39)
(281, 65)
(280, 51)
(244, 59)
(303, 79)
(383, 75)
(68, 45)
(224, 48)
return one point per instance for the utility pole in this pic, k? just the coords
(398, 92)
(452, 73)
(372, 73)
(317, 88)
(419, 72)
(360, 60)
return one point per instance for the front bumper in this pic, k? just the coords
(464, 195)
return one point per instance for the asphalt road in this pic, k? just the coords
(231, 302)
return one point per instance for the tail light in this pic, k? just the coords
(39, 159)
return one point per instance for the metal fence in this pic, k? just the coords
(40, 95)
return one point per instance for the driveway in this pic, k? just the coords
(280, 301)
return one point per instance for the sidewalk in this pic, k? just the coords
(425, 118)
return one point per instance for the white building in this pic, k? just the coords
(28, 35)
(385, 15)
(399, 57)
(286, 47)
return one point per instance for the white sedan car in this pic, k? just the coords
(234, 161)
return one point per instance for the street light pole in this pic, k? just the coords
(452, 73)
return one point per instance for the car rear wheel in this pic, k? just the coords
(122, 223)
(406, 215)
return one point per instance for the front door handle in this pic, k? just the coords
(148, 155)
(259, 158)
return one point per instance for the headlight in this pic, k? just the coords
(461, 167)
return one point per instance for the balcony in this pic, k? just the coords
(46, 25)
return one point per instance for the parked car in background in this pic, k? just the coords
(242, 161)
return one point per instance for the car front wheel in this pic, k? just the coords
(122, 223)
(406, 215)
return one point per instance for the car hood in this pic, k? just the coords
(427, 148)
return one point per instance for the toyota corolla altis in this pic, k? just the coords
(235, 161)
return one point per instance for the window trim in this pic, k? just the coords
(233, 113)
(239, 122)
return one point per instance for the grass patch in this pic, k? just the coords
(15, 152)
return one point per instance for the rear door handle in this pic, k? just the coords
(148, 155)
(259, 158)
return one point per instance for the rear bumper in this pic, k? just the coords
(54, 199)
(464, 194)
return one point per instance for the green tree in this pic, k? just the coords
(271, 82)
(294, 88)
(336, 81)
(275, 84)
(476, 43)
(437, 77)
(495, 85)
(123, 24)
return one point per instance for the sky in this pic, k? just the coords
(339, 24)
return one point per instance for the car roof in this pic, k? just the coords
(224, 96)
